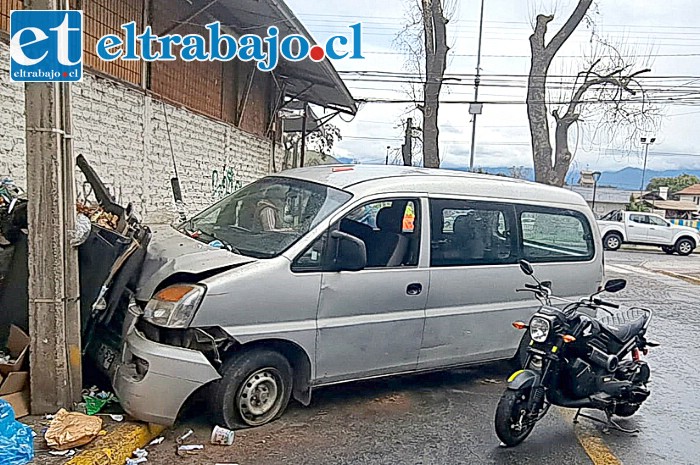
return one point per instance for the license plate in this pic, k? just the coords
(106, 356)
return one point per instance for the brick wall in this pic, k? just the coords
(123, 134)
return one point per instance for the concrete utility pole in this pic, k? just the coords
(54, 310)
(646, 153)
(407, 147)
(475, 109)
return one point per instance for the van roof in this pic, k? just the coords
(371, 179)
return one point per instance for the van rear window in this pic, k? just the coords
(550, 234)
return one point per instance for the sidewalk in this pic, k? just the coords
(116, 443)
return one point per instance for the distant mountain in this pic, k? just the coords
(627, 178)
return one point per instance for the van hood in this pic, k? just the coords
(171, 252)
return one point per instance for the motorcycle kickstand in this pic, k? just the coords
(609, 423)
(615, 426)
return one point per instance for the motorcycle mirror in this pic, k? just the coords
(526, 268)
(615, 285)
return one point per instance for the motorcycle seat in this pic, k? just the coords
(626, 331)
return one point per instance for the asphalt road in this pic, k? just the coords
(447, 418)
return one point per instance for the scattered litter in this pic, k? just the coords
(63, 453)
(16, 441)
(156, 441)
(136, 461)
(140, 456)
(189, 449)
(116, 417)
(98, 216)
(217, 244)
(95, 400)
(49, 416)
(182, 438)
(490, 381)
(222, 436)
(72, 429)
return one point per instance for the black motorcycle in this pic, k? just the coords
(575, 360)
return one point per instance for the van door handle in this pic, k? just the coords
(414, 289)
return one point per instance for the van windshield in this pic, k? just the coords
(266, 217)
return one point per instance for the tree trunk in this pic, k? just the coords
(562, 154)
(548, 171)
(539, 124)
(435, 34)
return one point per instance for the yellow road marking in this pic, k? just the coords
(117, 445)
(590, 440)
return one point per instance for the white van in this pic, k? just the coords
(332, 274)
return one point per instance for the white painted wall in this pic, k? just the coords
(122, 132)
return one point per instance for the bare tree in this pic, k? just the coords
(427, 51)
(435, 39)
(608, 82)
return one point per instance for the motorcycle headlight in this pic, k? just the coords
(174, 306)
(539, 329)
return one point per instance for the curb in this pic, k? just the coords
(117, 445)
(690, 279)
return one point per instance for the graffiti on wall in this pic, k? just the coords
(224, 182)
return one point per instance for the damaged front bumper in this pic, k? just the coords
(154, 380)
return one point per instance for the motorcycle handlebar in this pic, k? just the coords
(605, 304)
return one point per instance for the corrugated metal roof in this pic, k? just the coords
(317, 83)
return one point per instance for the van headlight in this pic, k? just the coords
(174, 306)
(539, 329)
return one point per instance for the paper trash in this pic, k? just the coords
(72, 429)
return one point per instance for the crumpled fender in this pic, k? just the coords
(522, 379)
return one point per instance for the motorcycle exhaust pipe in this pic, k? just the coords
(607, 361)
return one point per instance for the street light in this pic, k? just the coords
(596, 176)
(646, 152)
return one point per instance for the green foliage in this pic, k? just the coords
(674, 184)
(635, 206)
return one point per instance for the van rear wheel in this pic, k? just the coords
(254, 389)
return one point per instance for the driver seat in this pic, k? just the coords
(622, 328)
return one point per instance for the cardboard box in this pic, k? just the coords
(19, 402)
(18, 345)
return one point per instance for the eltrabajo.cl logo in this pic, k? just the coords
(46, 46)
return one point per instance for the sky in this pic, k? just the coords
(663, 34)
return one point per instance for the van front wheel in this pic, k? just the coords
(254, 389)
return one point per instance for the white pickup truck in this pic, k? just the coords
(623, 227)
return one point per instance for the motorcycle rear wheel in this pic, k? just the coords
(509, 413)
(626, 410)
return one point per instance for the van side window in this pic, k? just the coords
(470, 233)
(389, 229)
(551, 234)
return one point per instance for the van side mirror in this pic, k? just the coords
(615, 285)
(350, 252)
(526, 268)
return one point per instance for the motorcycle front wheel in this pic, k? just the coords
(510, 416)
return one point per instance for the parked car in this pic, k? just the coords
(251, 316)
(627, 227)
